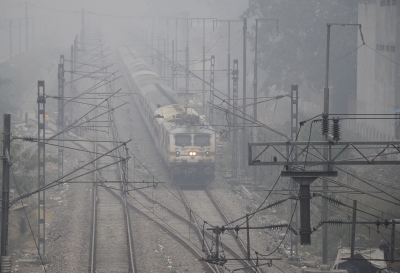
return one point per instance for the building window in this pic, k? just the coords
(382, 48)
(394, 2)
(388, 3)
(387, 48)
(392, 49)
(377, 47)
(383, 3)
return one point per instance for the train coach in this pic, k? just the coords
(183, 138)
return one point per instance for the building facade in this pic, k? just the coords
(378, 78)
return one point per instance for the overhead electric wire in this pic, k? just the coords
(250, 118)
(56, 182)
(73, 123)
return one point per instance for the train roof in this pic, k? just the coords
(170, 111)
(178, 119)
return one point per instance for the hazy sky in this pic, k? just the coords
(154, 8)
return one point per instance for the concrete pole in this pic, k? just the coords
(173, 66)
(235, 144)
(187, 55)
(6, 184)
(60, 123)
(204, 64)
(255, 82)
(10, 39)
(72, 93)
(176, 54)
(165, 59)
(229, 63)
(244, 139)
(353, 230)
(326, 155)
(33, 32)
(26, 26)
(167, 49)
(19, 34)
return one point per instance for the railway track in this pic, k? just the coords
(111, 243)
(206, 207)
(188, 228)
(111, 248)
(169, 220)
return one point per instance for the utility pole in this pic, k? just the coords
(73, 68)
(325, 129)
(229, 61)
(6, 158)
(176, 54)
(294, 121)
(60, 123)
(26, 25)
(19, 34)
(83, 38)
(204, 67)
(159, 56)
(254, 132)
(353, 230)
(244, 139)
(255, 82)
(235, 148)
(187, 55)
(10, 39)
(173, 67)
(164, 55)
(166, 51)
(71, 86)
(228, 73)
(212, 69)
(41, 100)
(33, 32)
(152, 41)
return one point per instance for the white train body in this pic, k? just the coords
(183, 138)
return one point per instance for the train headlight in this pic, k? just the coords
(207, 153)
(192, 153)
(177, 153)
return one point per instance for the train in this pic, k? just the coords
(182, 136)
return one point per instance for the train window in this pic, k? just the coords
(183, 140)
(202, 140)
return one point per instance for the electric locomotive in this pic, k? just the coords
(183, 138)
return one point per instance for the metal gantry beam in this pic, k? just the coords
(41, 100)
(339, 153)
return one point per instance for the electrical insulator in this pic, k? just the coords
(325, 124)
(336, 129)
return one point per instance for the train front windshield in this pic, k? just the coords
(202, 140)
(183, 140)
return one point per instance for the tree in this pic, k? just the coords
(296, 54)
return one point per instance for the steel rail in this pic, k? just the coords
(184, 219)
(197, 224)
(245, 263)
(227, 221)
